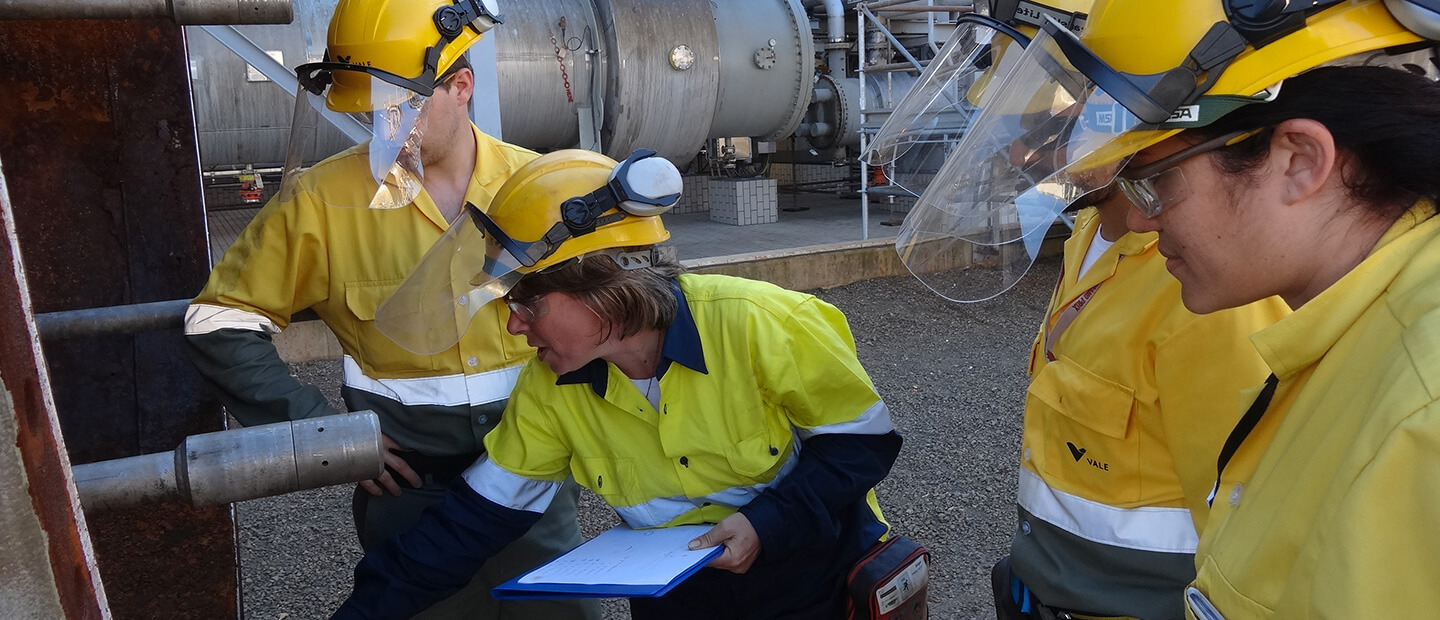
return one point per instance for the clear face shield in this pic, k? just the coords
(1046, 135)
(393, 130)
(468, 267)
(476, 261)
(928, 122)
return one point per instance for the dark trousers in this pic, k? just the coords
(780, 590)
(1009, 593)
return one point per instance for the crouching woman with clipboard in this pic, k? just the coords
(678, 398)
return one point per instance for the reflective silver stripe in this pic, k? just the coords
(1149, 528)
(662, 510)
(498, 485)
(203, 319)
(446, 390)
(875, 421)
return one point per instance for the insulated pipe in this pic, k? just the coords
(229, 466)
(835, 46)
(184, 12)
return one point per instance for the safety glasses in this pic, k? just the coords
(1154, 186)
(530, 310)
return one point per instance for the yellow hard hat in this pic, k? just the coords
(567, 201)
(1185, 63)
(405, 43)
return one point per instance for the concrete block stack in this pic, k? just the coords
(741, 202)
(811, 177)
(695, 196)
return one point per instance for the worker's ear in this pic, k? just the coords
(1303, 152)
(461, 85)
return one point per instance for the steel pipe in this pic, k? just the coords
(894, 66)
(885, 4)
(921, 9)
(234, 465)
(893, 41)
(112, 320)
(184, 12)
(835, 37)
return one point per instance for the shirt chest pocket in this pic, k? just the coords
(1087, 437)
(613, 479)
(756, 456)
(376, 352)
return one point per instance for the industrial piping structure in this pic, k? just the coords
(728, 81)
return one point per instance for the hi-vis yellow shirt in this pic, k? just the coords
(320, 250)
(1330, 507)
(1122, 430)
(778, 367)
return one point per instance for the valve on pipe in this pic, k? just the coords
(233, 465)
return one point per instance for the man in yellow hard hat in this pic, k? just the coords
(341, 236)
(1121, 420)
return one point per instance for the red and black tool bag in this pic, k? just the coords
(890, 582)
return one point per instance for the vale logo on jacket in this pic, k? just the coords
(1079, 453)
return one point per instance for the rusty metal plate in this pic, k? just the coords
(103, 170)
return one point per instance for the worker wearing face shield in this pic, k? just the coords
(677, 398)
(1283, 148)
(340, 236)
(1125, 409)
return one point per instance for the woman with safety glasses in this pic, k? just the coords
(678, 398)
(1120, 422)
(1281, 149)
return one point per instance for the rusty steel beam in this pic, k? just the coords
(191, 12)
(47, 566)
(104, 179)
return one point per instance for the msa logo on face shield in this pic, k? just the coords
(1186, 114)
(1108, 117)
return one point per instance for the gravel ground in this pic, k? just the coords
(952, 374)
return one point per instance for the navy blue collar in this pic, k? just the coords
(682, 346)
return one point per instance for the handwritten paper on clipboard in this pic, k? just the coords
(619, 563)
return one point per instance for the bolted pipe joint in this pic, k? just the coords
(234, 465)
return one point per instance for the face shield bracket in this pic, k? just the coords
(1265, 21)
(631, 190)
(1154, 98)
(451, 20)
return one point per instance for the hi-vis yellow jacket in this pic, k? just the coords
(753, 372)
(1122, 431)
(763, 409)
(342, 261)
(1329, 507)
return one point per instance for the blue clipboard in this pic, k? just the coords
(514, 589)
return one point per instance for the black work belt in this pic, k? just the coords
(440, 469)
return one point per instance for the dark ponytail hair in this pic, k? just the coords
(1386, 120)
